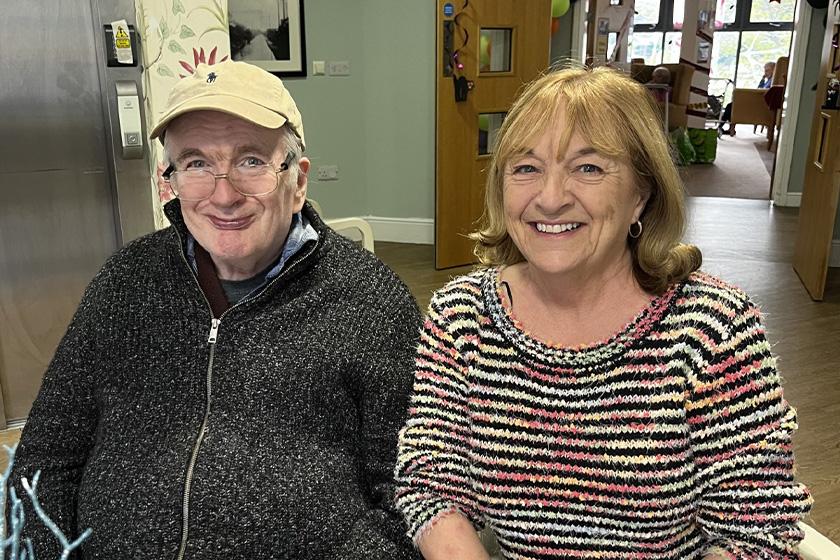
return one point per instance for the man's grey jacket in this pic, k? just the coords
(278, 440)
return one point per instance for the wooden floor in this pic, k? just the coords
(748, 243)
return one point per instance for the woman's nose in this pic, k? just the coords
(555, 193)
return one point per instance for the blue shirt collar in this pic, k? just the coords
(300, 233)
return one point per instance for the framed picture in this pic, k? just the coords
(268, 34)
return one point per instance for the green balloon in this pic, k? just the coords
(559, 8)
(484, 53)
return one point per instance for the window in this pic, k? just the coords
(748, 34)
(647, 12)
(724, 63)
(763, 11)
(654, 39)
(757, 49)
(725, 13)
(647, 46)
(673, 44)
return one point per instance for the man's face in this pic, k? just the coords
(242, 234)
(768, 69)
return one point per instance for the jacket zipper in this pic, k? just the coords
(211, 341)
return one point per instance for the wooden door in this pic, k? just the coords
(822, 175)
(498, 46)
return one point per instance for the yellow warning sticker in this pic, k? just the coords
(122, 42)
(121, 39)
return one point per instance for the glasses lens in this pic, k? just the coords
(254, 180)
(199, 184)
(193, 184)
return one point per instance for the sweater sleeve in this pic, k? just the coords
(741, 429)
(390, 327)
(433, 463)
(60, 430)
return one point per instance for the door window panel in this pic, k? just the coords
(494, 50)
(488, 129)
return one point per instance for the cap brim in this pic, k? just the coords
(235, 106)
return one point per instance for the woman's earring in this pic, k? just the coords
(636, 232)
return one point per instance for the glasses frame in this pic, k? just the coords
(170, 171)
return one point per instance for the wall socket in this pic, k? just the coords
(327, 173)
(338, 68)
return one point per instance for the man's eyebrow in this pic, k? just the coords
(186, 153)
(239, 150)
(252, 148)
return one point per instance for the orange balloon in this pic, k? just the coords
(555, 25)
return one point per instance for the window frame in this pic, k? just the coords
(743, 9)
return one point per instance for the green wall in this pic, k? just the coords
(377, 124)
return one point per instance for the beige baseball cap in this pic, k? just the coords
(237, 88)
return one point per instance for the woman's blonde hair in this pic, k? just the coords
(619, 118)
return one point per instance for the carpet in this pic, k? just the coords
(741, 169)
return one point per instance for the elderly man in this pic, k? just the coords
(231, 386)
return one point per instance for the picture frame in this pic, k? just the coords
(269, 34)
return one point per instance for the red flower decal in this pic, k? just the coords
(199, 58)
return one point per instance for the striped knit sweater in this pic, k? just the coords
(670, 440)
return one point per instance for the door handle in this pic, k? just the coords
(128, 109)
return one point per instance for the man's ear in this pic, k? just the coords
(302, 183)
(164, 193)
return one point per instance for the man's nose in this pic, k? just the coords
(224, 194)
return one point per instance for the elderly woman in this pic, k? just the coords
(589, 392)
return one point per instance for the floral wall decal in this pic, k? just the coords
(198, 58)
(176, 35)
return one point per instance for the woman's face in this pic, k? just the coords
(570, 214)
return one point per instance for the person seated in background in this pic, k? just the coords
(765, 83)
(660, 80)
(231, 387)
(590, 391)
(767, 79)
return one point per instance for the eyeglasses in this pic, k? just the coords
(199, 183)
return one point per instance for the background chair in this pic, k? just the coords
(681, 75)
(762, 107)
(344, 225)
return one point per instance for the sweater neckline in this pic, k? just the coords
(596, 351)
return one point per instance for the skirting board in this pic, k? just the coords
(788, 200)
(834, 257)
(403, 230)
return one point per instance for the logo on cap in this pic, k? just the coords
(211, 77)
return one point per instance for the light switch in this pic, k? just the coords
(338, 68)
(318, 67)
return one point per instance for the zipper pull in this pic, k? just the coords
(214, 331)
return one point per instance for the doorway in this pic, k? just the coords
(487, 50)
